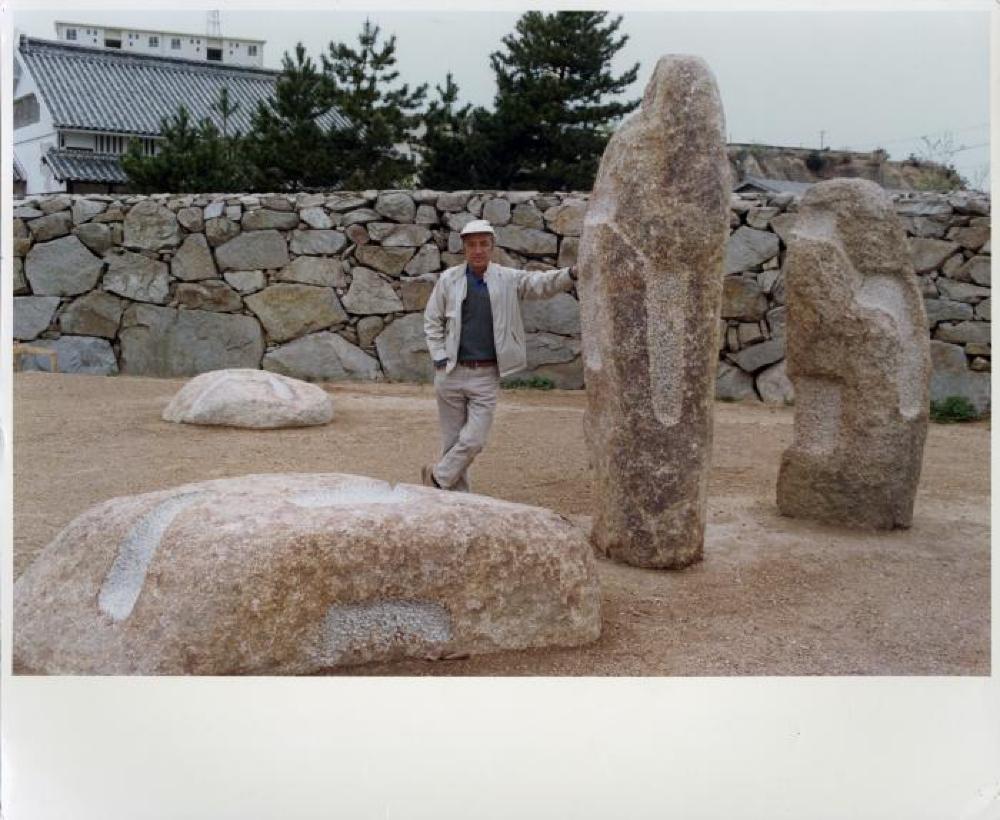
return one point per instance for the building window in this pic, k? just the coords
(26, 111)
(71, 34)
(112, 43)
(154, 41)
(252, 51)
(119, 144)
(110, 144)
(175, 43)
(214, 54)
(75, 142)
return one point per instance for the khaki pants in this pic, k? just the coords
(466, 399)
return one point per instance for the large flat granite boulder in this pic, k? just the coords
(288, 574)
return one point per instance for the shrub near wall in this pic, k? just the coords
(332, 286)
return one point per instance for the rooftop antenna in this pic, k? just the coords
(214, 25)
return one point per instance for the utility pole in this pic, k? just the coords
(821, 135)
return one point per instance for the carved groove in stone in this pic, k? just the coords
(125, 579)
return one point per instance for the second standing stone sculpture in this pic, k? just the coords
(859, 358)
(651, 258)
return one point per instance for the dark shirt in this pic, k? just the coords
(476, 341)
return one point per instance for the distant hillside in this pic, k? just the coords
(811, 165)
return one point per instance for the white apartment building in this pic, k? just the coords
(226, 50)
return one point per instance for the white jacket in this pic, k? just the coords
(443, 314)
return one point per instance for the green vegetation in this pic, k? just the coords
(531, 383)
(815, 162)
(192, 156)
(287, 148)
(551, 111)
(953, 409)
(376, 150)
(554, 111)
(455, 148)
(937, 179)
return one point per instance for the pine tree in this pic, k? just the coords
(233, 172)
(167, 170)
(376, 148)
(191, 158)
(287, 146)
(226, 108)
(454, 152)
(551, 119)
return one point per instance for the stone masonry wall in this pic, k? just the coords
(332, 286)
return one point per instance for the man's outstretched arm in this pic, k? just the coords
(542, 284)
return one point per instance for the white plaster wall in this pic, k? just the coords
(31, 141)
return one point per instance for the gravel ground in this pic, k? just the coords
(774, 596)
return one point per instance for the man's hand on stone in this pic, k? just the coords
(574, 276)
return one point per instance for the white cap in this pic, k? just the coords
(477, 226)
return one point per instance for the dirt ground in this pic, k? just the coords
(773, 596)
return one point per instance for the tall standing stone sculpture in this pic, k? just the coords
(859, 359)
(651, 259)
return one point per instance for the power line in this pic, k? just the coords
(934, 134)
(883, 144)
(969, 147)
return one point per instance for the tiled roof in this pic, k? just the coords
(751, 184)
(772, 186)
(84, 166)
(99, 89)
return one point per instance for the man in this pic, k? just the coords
(475, 335)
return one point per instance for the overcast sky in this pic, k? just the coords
(865, 79)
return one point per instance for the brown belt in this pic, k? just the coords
(479, 363)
